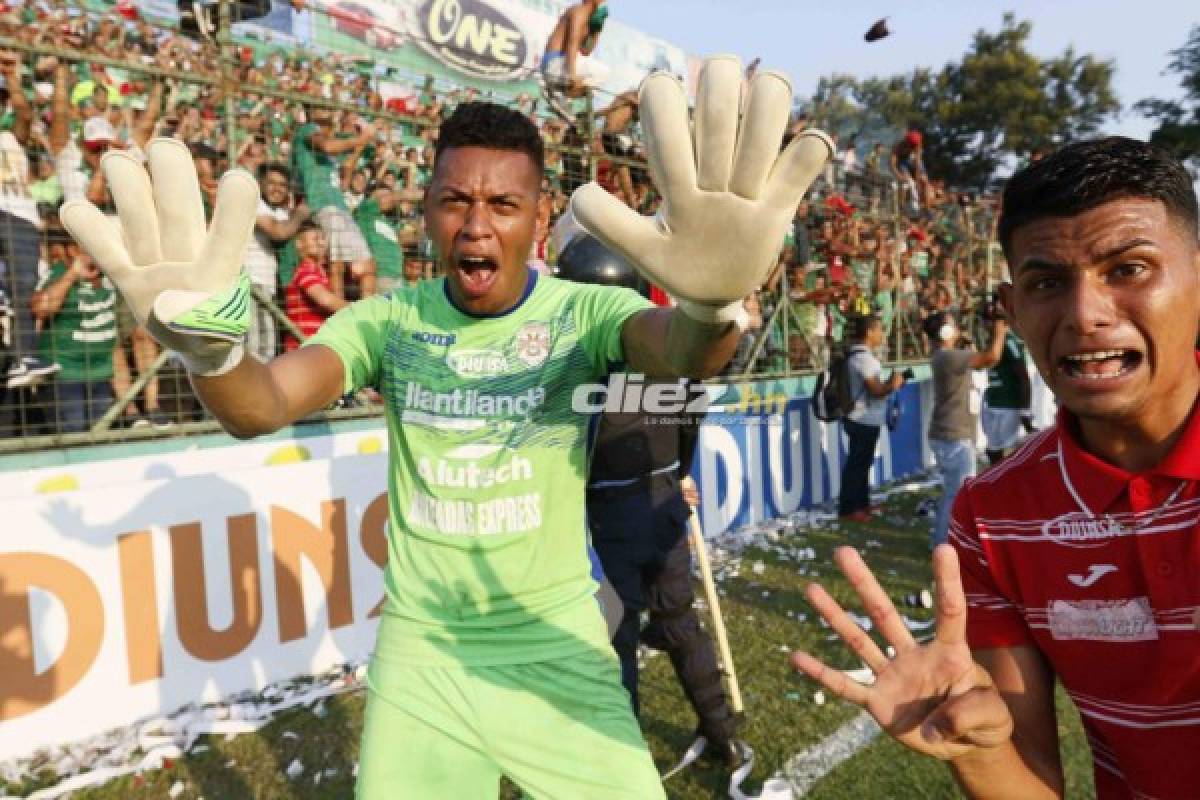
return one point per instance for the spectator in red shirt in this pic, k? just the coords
(1080, 555)
(310, 298)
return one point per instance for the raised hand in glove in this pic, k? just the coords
(729, 194)
(183, 281)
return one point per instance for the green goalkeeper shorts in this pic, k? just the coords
(557, 729)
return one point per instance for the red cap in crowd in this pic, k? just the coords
(839, 204)
(98, 134)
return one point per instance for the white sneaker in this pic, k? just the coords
(30, 372)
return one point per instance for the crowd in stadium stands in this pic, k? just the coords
(340, 211)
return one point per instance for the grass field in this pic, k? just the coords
(766, 616)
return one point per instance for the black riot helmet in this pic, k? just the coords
(586, 259)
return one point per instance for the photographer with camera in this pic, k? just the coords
(862, 424)
(955, 405)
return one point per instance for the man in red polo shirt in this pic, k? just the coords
(1080, 555)
(310, 297)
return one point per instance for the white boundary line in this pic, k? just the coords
(804, 769)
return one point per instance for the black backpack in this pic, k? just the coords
(832, 399)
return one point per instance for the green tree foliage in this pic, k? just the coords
(997, 103)
(1179, 120)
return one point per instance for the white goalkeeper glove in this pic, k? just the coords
(185, 284)
(727, 201)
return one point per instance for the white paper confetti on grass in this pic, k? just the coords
(176, 789)
(861, 621)
(864, 676)
(295, 769)
(147, 744)
(917, 625)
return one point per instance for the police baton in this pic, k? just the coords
(700, 548)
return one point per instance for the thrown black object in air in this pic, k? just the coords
(877, 31)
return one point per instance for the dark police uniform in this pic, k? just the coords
(639, 524)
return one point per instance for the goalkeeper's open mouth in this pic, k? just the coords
(476, 275)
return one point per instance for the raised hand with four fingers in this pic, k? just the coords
(933, 697)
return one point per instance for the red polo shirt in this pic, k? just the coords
(300, 308)
(1100, 570)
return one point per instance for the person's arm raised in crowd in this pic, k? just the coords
(97, 189)
(247, 143)
(853, 240)
(386, 158)
(186, 127)
(10, 67)
(725, 215)
(122, 31)
(410, 177)
(127, 118)
(332, 146)
(992, 719)
(60, 121)
(143, 127)
(884, 282)
(576, 33)
(350, 163)
(174, 92)
(990, 357)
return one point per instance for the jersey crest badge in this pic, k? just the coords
(533, 343)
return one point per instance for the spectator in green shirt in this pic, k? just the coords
(315, 149)
(376, 219)
(76, 305)
(47, 188)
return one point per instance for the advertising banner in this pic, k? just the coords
(765, 455)
(482, 43)
(134, 599)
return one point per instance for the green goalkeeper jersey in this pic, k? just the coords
(487, 560)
